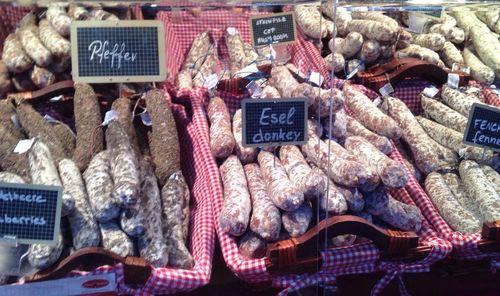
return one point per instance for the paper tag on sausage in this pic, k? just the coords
(453, 80)
(460, 68)
(416, 22)
(472, 90)
(109, 116)
(254, 89)
(24, 145)
(211, 81)
(272, 52)
(146, 119)
(386, 90)
(248, 70)
(316, 78)
(50, 119)
(15, 121)
(430, 91)
(232, 31)
(56, 98)
(377, 101)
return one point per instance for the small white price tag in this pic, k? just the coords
(15, 121)
(109, 116)
(472, 90)
(248, 70)
(430, 91)
(254, 89)
(146, 119)
(211, 81)
(377, 101)
(50, 119)
(24, 145)
(386, 90)
(453, 80)
(272, 51)
(460, 68)
(351, 75)
(416, 22)
(56, 98)
(316, 78)
(232, 31)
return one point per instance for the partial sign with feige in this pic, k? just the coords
(123, 51)
(483, 127)
(29, 213)
(274, 122)
(271, 29)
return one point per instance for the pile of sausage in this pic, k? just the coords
(274, 194)
(38, 54)
(359, 39)
(123, 188)
(435, 140)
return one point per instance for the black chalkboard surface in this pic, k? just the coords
(271, 29)
(483, 127)
(274, 122)
(123, 51)
(29, 213)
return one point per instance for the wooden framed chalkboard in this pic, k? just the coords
(274, 28)
(274, 122)
(123, 51)
(30, 213)
(483, 127)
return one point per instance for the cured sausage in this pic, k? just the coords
(222, 141)
(245, 154)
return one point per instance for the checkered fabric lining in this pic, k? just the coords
(358, 259)
(11, 16)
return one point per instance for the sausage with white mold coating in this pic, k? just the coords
(283, 81)
(53, 41)
(124, 168)
(198, 52)
(370, 51)
(419, 52)
(11, 178)
(284, 193)
(14, 56)
(151, 245)
(42, 77)
(479, 71)
(44, 172)
(57, 16)
(369, 115)
(335, 62)
(443, 114)
(42, 256)
(245, 154)
(338, 127)
(222, 140)
(451, 55)
(457, 100)
(33, 46)
(252, 246)
(374, 30)
(391, 173)
(5, 83)
(84, 227)
(308, 18)
(480, 189)
(266, 217)
(99, 183)
(115, 240)
(297, 222)
(457, 187)
(173, 196)
(349, 46)
(493, 176)
(459, 218)
(329, 100)
(355, 128)
(431, 41)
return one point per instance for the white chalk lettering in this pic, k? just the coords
(103, 51)
(14, 196)
(276, 136)
(23, 220)
(276, 118)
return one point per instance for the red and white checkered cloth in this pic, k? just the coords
(10, 18)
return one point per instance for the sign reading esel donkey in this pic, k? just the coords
(274, 122)
(122, 51)
(271, 29)
(483, 127)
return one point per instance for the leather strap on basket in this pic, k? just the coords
(491, 231)
(299, 255)
(137, 270)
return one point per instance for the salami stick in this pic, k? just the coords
(355, 128)
(236, 208)
(458, 101)
(283, 81)
(493, 176)
(115, 240)
(297, 222)
(458, 189)
(391, 173)
(266, 217)
(222, 141)
(197, 53)
(84, 227)
(245, 154)
(99, 182)
(13, 55)
(332, 199)
(479, 188)
(450, 209)
(443, 114)
(252, 246)
(42, 256)
(283, 193)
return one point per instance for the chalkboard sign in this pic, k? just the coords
(29, 213)
(483, 127)
(123, 51)
(274, 122)
(271, 29)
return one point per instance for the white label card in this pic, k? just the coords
(211, 81)
(316, 78)
(386, 90)
(416, 23)
(15, 121)
(352, 73)
(430, 91)
(146, 119)
(50, 119)
(110, 116)
(254, 89)
(377, 101)
(24, 145)
(453, 80)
